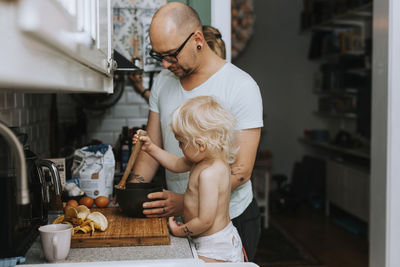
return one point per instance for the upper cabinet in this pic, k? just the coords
(56, 46)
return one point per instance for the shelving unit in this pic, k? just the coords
(341, 43)
(344, 53)
(350, 116)
(363, 11)
(363, 153)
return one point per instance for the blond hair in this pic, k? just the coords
(202, 120)
(214, 40)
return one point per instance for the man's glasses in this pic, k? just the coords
(171, 58)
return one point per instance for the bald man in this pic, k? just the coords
(192, 69)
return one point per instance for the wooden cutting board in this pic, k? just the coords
(124, 231)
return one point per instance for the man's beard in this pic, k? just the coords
(180, 71)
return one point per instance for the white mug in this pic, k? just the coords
(56, 241)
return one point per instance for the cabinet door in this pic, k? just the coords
(56, 45)
(335, 180)
(348, 188)
(357, 198)
(79, 28)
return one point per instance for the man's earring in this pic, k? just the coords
(199, 47)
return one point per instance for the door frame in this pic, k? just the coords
(221, 19)
(384, 228)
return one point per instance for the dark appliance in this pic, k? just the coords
(19, 223)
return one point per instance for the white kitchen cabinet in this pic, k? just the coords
(56, 46)
(348, 188)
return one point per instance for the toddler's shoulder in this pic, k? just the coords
(216, 169)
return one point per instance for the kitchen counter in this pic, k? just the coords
(180, 248)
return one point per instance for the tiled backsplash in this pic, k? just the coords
(131, 110)
(30, 112)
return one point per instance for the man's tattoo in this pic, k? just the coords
(137, 178)
(187, 231)
(241, 179)
(236, 170)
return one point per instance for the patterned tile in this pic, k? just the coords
(131, 26)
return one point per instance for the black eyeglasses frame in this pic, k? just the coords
(171, 58)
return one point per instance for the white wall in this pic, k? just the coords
(276, 57)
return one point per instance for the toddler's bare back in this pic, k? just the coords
(208, 194)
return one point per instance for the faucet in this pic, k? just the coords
(18, 152)
(54, 174)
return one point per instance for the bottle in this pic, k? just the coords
(125, 148)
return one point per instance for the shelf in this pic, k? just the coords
(349, 92)
(345, 53)
(350, 116)
(361, 152)
(360, 71)
(359, 13)
(336, 56)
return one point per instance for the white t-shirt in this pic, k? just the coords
(234, 89)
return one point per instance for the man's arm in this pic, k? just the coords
(242, 168)
(145, 165)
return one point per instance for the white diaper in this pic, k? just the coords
(224, 245)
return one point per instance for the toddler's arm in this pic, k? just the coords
(168, 160)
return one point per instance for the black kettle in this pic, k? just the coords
(40, 185)
(20, 223)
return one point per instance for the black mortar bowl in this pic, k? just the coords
(131, 198)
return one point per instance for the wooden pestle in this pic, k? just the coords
(132, 159)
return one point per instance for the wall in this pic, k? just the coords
(131, 110)
(31, 112)
(276, 57)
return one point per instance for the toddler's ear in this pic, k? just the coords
(201, 144)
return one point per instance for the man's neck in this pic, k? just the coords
(208, 66)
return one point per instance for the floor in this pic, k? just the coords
(331, 244)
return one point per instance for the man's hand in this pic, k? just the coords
(136, 79)
(166, 203)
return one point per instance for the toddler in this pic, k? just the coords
(205, 131)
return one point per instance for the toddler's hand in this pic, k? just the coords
(146, 141)
(175, 227)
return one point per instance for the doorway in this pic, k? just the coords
(277, 58)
